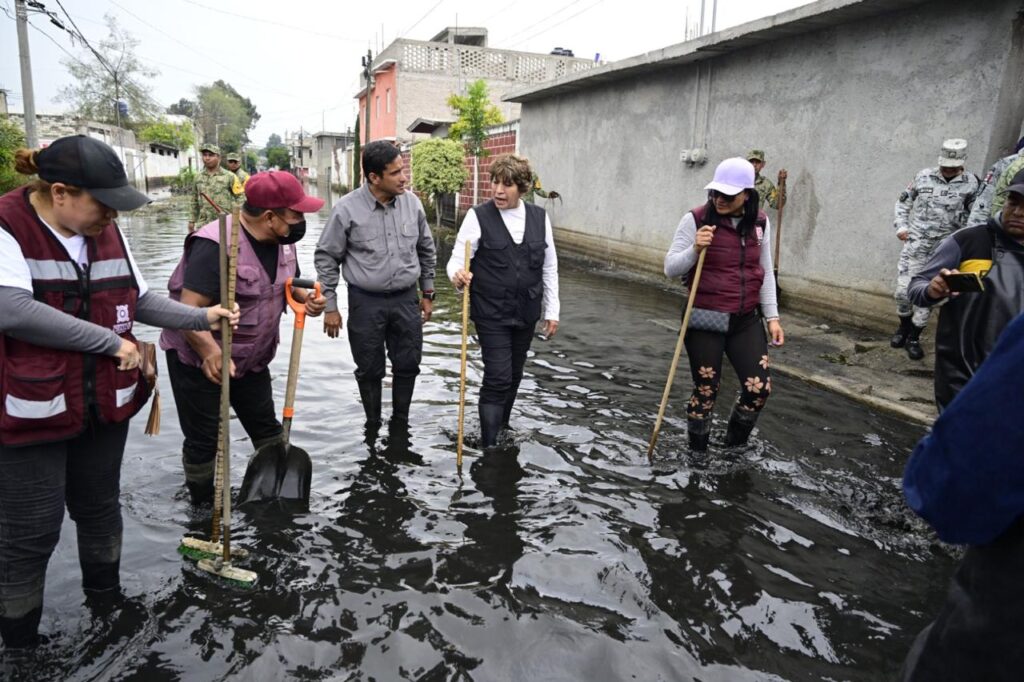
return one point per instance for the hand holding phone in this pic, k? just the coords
(964, 282)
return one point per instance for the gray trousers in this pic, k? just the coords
(907, 268)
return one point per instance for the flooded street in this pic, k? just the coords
(577, 560)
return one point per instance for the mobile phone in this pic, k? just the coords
(964, 282)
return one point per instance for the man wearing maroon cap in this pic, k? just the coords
(272, 221)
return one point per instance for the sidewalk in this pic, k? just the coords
(855, 363)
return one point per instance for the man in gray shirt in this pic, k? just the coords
(379, 236)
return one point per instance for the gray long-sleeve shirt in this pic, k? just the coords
(377, 247)
(29, 320)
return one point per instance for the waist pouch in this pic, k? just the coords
(704, 320)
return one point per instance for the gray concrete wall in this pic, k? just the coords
(852, 111)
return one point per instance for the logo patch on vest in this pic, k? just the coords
(124, 323)
(760, 234)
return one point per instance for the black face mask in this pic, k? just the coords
(297, 232)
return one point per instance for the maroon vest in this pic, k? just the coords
(260, 303)
(732, 276)
(45, 393)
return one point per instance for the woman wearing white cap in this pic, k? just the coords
(735, 295)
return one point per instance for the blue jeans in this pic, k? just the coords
(36, 481)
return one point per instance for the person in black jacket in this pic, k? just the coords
(514, 275)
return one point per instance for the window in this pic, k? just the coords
(388, 104)
(377, 99)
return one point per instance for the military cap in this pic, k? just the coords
(233, 157)
(212, 148)
(755, 154)
(954, 153)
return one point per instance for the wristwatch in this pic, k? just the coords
(428, 295)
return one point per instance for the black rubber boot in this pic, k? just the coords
(21, 632)
(741, 423)
(914, 350)
(401, 398)
(369, 392)
(699, 432)
(490, 423)
(510, 400)
(99, 578)
(199, 481)
(899, 339)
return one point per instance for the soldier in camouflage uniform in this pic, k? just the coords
(933, 206)
(234, 164)
(765, 188)
(220, 184)
(983, 205)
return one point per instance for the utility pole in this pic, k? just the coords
(31, 134)
(368, 75)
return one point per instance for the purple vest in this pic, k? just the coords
(260, 303)
(731, 279)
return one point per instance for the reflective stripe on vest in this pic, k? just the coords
(34, 409)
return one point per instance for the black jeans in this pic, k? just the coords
(385, 321)
(36, 481)
(747, 347)
(198, 402)
(504, 349)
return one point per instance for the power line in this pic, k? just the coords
(420, 20)
(303, 29)
(556, 25)
(541, 21)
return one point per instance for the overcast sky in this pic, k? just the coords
(299, 61)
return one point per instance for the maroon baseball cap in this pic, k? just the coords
(279, 189)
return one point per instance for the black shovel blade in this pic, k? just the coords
(278, 472)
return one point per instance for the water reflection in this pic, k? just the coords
(564, 556)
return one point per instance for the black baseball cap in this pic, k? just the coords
(86, 162)
(1017, 183)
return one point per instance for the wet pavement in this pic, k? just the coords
(566, 556)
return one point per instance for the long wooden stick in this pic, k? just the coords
(778, 226)
(462, 372)
(225, 388)
(679, 350)
(226, 378)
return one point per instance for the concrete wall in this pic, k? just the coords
(852, 111)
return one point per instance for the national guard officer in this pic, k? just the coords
(765, 188)
(379, 238)
(933, 206)
(983, 205)
(220, 184)
(234, 164)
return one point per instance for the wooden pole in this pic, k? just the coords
(462, 372)
(675, 358)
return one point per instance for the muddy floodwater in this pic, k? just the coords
(577, 559)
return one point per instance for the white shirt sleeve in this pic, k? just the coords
(682, 255)
(14, 270)
(552, 306)
(767, 296)
(468, 232)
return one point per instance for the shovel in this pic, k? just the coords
(279, 471)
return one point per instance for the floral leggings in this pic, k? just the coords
(747, 347)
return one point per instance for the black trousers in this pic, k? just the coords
(504, 349)
(379, 322)
(198, 402)
(747, 347)
(36, 481)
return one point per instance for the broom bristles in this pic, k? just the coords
(153, 423)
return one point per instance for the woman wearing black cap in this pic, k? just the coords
(70, 292)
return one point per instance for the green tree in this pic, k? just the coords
(279, 156)
(177, 135)
(183, 107)
(117, 74)
(11, 140)
(475, 115)
(438, 167)
(224, 116)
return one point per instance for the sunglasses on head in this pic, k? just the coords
(715, 194)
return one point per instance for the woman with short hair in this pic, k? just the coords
(514, 275)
